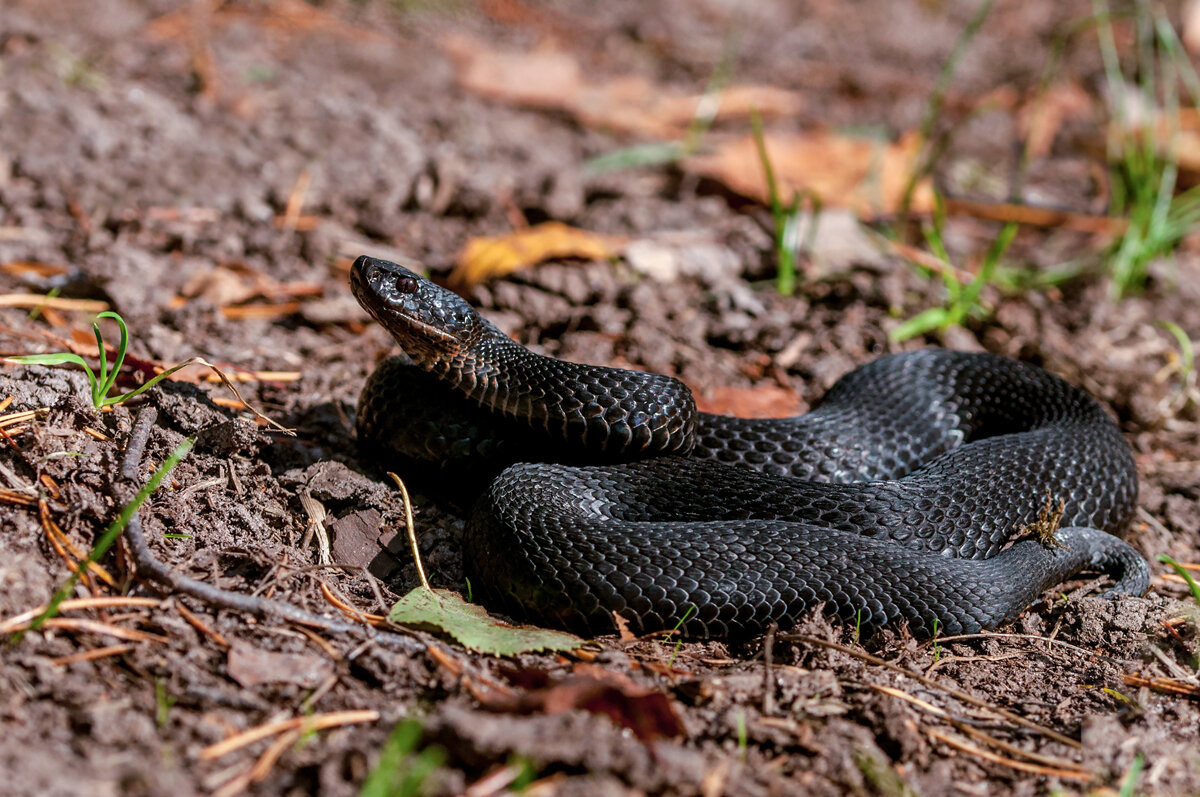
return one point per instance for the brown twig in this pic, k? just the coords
(103, 629)
(941, 713)
(78, 604)
(93, 654)
(316, 722)
(201, 626)
(1170, 686)
(151, 567)
(1034, 638)
(32, 300)
(932, 684)
(1023, 766)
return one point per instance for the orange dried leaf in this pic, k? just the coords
(1040, 120)
(550, 78)
(862, 174)
(765, 400)
(486, 258)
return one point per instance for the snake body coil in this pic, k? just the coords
(900, 498)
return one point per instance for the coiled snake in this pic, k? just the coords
(900, 499)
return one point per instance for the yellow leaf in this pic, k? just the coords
(486, 258)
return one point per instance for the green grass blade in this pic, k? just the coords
(937, 99)
(1186, 353)
(61, 358)
(760, 143)
(101, 387)
(113, 531)
(1129, 782)
(654, 154)
(110, 379)
(970, 294)
(143, 388)
(56, 358)
(1184, 574)
(927, 321)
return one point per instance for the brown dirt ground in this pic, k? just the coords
(140, 161)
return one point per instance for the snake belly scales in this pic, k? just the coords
(904, 497)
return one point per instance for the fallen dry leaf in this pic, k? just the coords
(485, 258)
(230, 285)
(764, 400)
(284, 16)
(645, 712)
(550, 78)
(1040, 120)
(865, 175)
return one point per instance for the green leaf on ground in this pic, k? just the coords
(446, 612)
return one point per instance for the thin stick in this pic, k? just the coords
(96, 627)
(91, 655)
(412, 534)
(1035, 638)
(201, 626)
(1037, 769)
(73, 604)
(348, 610)
(154, 569)
(32, 300)
(316, 722)
(932, 684)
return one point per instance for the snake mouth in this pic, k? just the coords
(413, 327)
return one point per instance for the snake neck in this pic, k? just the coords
(596, 410)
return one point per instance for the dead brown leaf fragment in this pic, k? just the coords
(1040, 120)
(293, 17)
(647, 713)
(550, 78)
(764, 400)
(486, 258)
(866, 175)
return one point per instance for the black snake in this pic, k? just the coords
(906, 496)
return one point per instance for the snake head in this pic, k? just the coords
(431, 324)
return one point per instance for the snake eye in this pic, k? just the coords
(406, 285)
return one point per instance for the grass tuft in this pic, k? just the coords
(933, 148)
(786, 217)
(963, 297)
(401, 771)
(1144, 168)
(101, 385)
